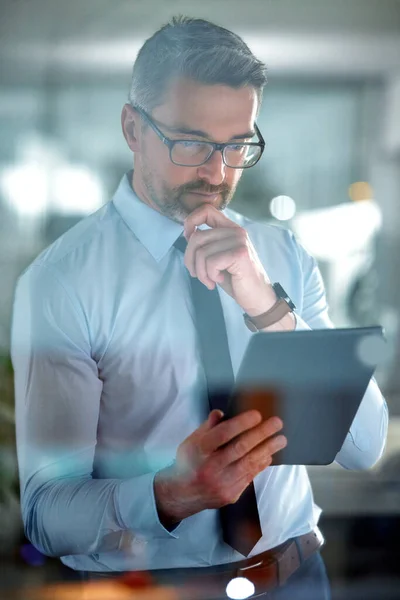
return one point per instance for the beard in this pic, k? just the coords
(171, 201)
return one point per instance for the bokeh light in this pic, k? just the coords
(240, 588)
(360, 190)
(282, 208)
(15, 183)
(372, 350)
(76, 191)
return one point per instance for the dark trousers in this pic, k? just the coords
(309, 582)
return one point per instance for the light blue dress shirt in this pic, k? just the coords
(107, 372)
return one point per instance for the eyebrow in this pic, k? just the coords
(197, 132)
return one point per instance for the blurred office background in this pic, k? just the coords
(331, 172)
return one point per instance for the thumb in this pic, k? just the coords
(214, 418)
(188, 452)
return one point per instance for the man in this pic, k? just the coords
(122, 468)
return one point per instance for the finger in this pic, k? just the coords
(235, 477)
(202, 238)
(230, 260)
(246, 442)
(232, 482)
(206, 214)
(224, 432)
(261, 456)
(237, 484)
(201, 260)
(214, 418)
(189, 453)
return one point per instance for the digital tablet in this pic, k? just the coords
(314, 381)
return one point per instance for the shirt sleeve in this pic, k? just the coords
(366, 439)
(57, 396)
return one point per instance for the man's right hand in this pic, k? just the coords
(216, 463)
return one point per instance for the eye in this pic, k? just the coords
(191, 144)
(237, 147)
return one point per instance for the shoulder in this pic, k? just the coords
(84, 234)
(81, 250)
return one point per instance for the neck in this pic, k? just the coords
(138, 187)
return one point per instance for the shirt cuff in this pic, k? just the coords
(137, 508)
(300, 324)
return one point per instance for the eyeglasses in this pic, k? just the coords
(194, 153)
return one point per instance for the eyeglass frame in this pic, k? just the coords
(216, 146)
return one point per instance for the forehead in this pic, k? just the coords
(219, 110)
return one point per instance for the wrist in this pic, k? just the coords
(166, 494)
(259, 308)
(278, 317)
(288, 323)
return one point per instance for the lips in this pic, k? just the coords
(206, 195)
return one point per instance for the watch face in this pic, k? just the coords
(280, 292)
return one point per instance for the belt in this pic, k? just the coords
(265, 571)
(274, 567)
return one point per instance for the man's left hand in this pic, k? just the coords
(224, 255)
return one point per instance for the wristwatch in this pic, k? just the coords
(282, 307)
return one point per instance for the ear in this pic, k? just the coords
(130, 127)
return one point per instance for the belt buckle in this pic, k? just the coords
(248, 571)
(257, 564)
(263, 575)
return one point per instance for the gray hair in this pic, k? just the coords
(195, 49)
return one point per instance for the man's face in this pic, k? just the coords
(193, 111)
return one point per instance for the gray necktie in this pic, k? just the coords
(240, 521)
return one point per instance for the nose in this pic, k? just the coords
(213, 171)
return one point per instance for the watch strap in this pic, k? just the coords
(272, 316)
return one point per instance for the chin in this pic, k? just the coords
(219, 205)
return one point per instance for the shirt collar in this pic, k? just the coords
(155, 231)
